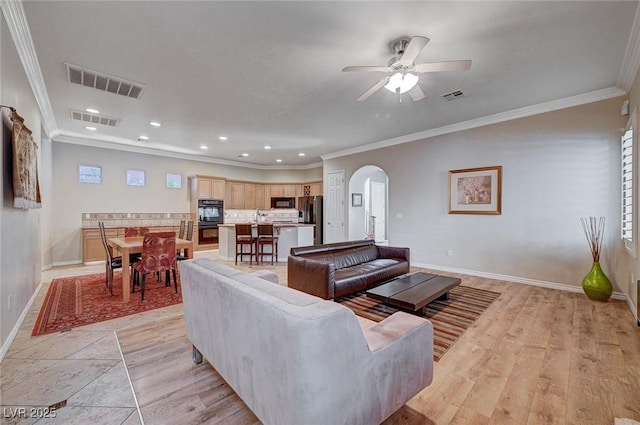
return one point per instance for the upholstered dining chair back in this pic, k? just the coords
(135, 231)
(158, 255)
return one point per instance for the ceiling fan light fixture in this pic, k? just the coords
(401, 83)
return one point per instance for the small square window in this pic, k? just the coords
(89, 174)
(174, 181)
(135, 178)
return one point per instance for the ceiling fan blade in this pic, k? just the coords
(366, 68)
(442, 66)
(416, 93)
(413, 50)
(380, 84)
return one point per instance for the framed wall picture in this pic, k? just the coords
(356, 199)
(476, 191)
(174, 181)
(135, 177)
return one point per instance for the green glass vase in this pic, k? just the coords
(596, 284)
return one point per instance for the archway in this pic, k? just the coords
(368, 204)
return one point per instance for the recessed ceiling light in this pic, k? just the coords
(267, 147)
(91, 128)
(93, 111)
(143, 138)
(244, 154)
(278, 160)
(204, 147)
(155, 123)
(223, 138)
(301, 154)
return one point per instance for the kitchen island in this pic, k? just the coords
(289, 235)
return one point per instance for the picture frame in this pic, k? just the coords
(476, 190)
(174, 181)
(356, 199)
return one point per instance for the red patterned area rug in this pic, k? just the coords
(450, 318)
(82, 300)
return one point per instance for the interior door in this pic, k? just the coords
(335, 207)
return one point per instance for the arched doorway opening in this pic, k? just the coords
(368, 204)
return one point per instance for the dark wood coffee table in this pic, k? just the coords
(415, 291)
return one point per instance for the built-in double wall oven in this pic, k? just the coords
(210, 215)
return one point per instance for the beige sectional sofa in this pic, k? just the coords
(295, 358)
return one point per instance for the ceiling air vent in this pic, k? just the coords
(452, 95)
(101, 81)
(94, 118)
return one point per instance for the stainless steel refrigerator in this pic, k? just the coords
(311, 208)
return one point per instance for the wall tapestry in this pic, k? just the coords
(26, 187)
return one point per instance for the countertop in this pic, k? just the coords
(274, 224)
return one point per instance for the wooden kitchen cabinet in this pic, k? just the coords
(249, 196)
(315, 189)
(208, 188)
(276, 191)
(259, 195)
(289, 190)
(237, 197)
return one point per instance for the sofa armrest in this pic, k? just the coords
(311, 276)
(395, 327)
(393, 252)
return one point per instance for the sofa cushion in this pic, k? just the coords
(353, 256)
(367, 275)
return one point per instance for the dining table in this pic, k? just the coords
(133, 245)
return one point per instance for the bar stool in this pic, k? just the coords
(244, 237)
(266, 237)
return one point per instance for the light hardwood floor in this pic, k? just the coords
(536, 356)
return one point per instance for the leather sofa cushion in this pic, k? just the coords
(367, 275)
(354, 256)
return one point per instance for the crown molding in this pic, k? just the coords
(17, 24)
(631, 60)
(514, 114)
(116, 143)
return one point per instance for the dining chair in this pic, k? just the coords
(244, 237)
(266, 237)
(181, 255)
(111, 262)
(182, 228)
(135, 231)
(158, 255)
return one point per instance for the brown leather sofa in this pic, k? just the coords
(334, 270)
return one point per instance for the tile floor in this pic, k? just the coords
(83, 367)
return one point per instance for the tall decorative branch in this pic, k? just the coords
(594, 231)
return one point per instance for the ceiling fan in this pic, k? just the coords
(403, 69)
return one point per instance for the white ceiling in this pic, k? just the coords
(269, 73)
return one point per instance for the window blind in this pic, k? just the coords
(627, 186)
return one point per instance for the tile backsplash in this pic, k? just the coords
(134, 219)
(232, 216)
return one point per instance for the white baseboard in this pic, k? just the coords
(16, 328)
(516, 279)
(66, 263)
(634, 310)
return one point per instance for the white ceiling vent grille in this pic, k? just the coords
(94, 118)
(101, 81)
(452, 95)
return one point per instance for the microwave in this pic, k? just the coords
(283, 202)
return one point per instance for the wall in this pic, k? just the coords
(113, 195)
(557, 167)
(20, 255)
